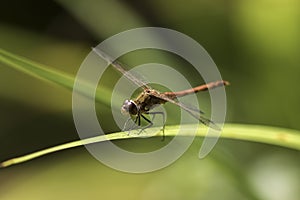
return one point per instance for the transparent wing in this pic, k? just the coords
(192, 111)
(119, 66)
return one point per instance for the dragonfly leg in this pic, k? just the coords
(139, 119)
(151, 123)
(133, 124)
(125, 125)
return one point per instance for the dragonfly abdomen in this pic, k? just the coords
(211, 85)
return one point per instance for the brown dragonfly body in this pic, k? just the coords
(150, 98)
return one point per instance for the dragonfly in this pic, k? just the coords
(138, 108)
(150, 98)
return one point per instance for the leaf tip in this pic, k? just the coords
(6, 164)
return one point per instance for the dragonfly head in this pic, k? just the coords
(129, 107)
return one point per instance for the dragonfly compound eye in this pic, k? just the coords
(129, 107)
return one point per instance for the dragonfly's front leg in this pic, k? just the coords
(151, 123)
(137, 119)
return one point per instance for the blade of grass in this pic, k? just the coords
(269, 135)
(36, 69)
(254, 133)
(50, 75)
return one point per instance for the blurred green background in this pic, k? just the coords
(256, 46)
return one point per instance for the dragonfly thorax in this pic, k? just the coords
(129, 107)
